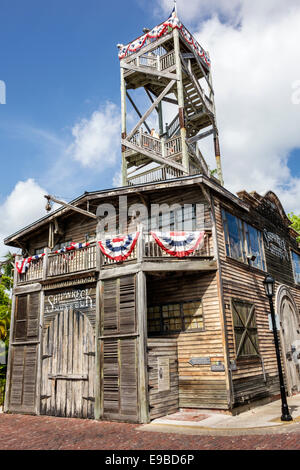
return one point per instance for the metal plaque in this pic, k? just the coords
(199, 361)
(163, 374)
(217, 368)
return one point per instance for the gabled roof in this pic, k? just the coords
(115, 192)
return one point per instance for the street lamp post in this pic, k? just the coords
(269, 288)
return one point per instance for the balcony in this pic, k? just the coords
(54, 265)
(147, 253)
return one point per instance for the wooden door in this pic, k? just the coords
(119, 356)
(290, 331)
(163, 376)
(68, 360)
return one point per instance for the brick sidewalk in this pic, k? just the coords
(20, 432)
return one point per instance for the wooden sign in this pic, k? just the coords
(276, 245)
(71, 298)
(163, 374)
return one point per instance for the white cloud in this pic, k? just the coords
(21, 207)
(254, 47)
(117, 179)
(97, 139)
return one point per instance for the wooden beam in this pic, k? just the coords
(197, 137)
(152, 107)
(147, 71)
(137, 111)
(70, 206)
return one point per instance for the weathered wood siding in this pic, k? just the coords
(199, 386)
(253, 379)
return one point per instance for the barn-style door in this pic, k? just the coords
(119, 350)
(290, 331)
(68, 359)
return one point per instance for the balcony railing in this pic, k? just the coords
(57, 264)
(154, 61)
(72, 261)
(90, 258)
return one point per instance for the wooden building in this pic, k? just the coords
(132, 339)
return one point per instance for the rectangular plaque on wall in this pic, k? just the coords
(163, 374)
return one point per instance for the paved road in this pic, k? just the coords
(18, 432)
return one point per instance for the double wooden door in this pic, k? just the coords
(68, 362)
(291, 343)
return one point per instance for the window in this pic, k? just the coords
(39, 251)
(296, 266)
(182, 218)
(243, 241)
(90, 237)
(245, 329)
(170, 318)
(61, 245)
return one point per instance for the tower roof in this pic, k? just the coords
(157, 32)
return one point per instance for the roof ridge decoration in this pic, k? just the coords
(170, 24)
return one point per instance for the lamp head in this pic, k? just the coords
(269, 285)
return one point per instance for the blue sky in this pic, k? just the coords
(59, 63)
(59, 128)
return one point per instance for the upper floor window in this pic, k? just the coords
(243, 242)
(61, 245)
(296, 265)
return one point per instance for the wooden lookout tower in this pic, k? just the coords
(175, 73)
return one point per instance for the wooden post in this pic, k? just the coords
(40, 354)
(180, 92)
(123, 127)
(98, 411)
(141, 305)
(216, 137)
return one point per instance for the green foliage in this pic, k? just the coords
(296, 223)
(6, 284)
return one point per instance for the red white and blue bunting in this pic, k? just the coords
(120, 247)
(23, 264)
(179, 244)
(164, 28)
(72, 247)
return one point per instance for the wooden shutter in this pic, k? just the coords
(22, 386)
(26, 327)
(110, 309)
(245, 329)
(23, 379)
(119, 388)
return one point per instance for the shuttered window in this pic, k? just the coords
(171, 318)
(245, 329)
(26, 317)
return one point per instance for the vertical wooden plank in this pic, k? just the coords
(185, 155)
(98, 368)
(40, 353)
(141, 303)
